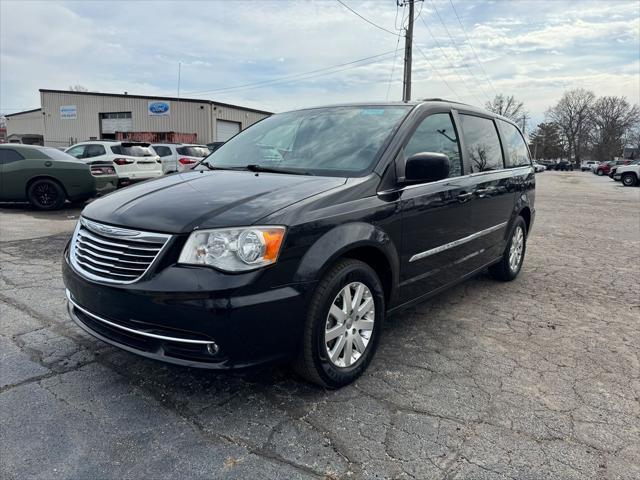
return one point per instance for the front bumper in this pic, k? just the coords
(177, 316)
(617, 177)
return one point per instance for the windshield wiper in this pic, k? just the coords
(261, 168)
(215, 167)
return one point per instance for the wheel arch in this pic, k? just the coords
(360, 241)
(525, 213)
(44, 177)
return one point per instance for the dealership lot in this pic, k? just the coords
(539, 378)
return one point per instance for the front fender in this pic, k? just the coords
(342, 239)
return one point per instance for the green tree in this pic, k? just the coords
(546, 142)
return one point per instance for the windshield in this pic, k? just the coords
(193, 151)
(335, 141)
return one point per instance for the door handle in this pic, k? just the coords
(481, 192)
(463, 197)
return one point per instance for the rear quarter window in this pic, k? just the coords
(482, 143)
(162, 151)
(8, 155)
(517, 153)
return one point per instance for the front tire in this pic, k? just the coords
(599, 172)
(46, 194)
(629, 179)
(510, 264)
(343, 325)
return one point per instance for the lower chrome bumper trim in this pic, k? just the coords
(131, 330)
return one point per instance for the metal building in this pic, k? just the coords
(67, 117)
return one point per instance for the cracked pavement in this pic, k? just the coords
(534, 379)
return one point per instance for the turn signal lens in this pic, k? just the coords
(234, 249)
(273, 241)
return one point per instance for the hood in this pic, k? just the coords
(180, 203)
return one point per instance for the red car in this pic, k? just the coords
(605, 167)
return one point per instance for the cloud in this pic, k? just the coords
(533, 49)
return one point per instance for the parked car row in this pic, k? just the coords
(561, 165)
(624, 170)
(136, 161)
(46, 177)
(604, 168)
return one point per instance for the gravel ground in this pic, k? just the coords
(539, 378)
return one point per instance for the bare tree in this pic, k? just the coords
(612, 120)
(572, 115)
(78, 88)
(508, 107)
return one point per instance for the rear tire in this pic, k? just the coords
(599, 172)
(629, 179)
(342, 358)
(510, 264)
(46, 194)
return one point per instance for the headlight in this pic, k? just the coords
(233, 249)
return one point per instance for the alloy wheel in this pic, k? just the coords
(517, 247)
(349, 325)
(45, 194)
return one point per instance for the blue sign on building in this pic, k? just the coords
(158, 108)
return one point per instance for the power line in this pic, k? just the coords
(473, 49)
(292, 76)
(438, 73)
(395, 56)
(366, 19)
(459, 51)
(450, 61)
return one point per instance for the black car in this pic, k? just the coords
(297, 237)
(564, 166)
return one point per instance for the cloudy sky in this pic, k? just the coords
(275, 54)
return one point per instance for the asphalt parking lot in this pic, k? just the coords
(539, 378)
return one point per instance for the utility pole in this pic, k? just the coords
(179, 68)
(408, 52)
(525, 117)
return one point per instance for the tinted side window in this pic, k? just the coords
(517, 152)
(116, 149)
(162, 151)
(94, 151)
(436, 134)
(482, 143)
(7, 156)
(77, 151)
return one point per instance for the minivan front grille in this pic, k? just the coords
(112, 254)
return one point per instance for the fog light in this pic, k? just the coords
(213, 348)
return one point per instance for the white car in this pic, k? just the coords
(538, 167)
(629, 175)
(132, 161)
(588, 165)
(179, 157)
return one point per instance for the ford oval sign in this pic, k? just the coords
(159, 108)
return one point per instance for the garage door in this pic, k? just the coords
(226, 130)
(116, 122)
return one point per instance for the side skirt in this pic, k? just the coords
(430, 294)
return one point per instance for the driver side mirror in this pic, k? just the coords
(426, 167)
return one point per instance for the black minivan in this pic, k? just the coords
(297, 237)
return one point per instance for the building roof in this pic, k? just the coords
(150, 97)
(23, 112)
